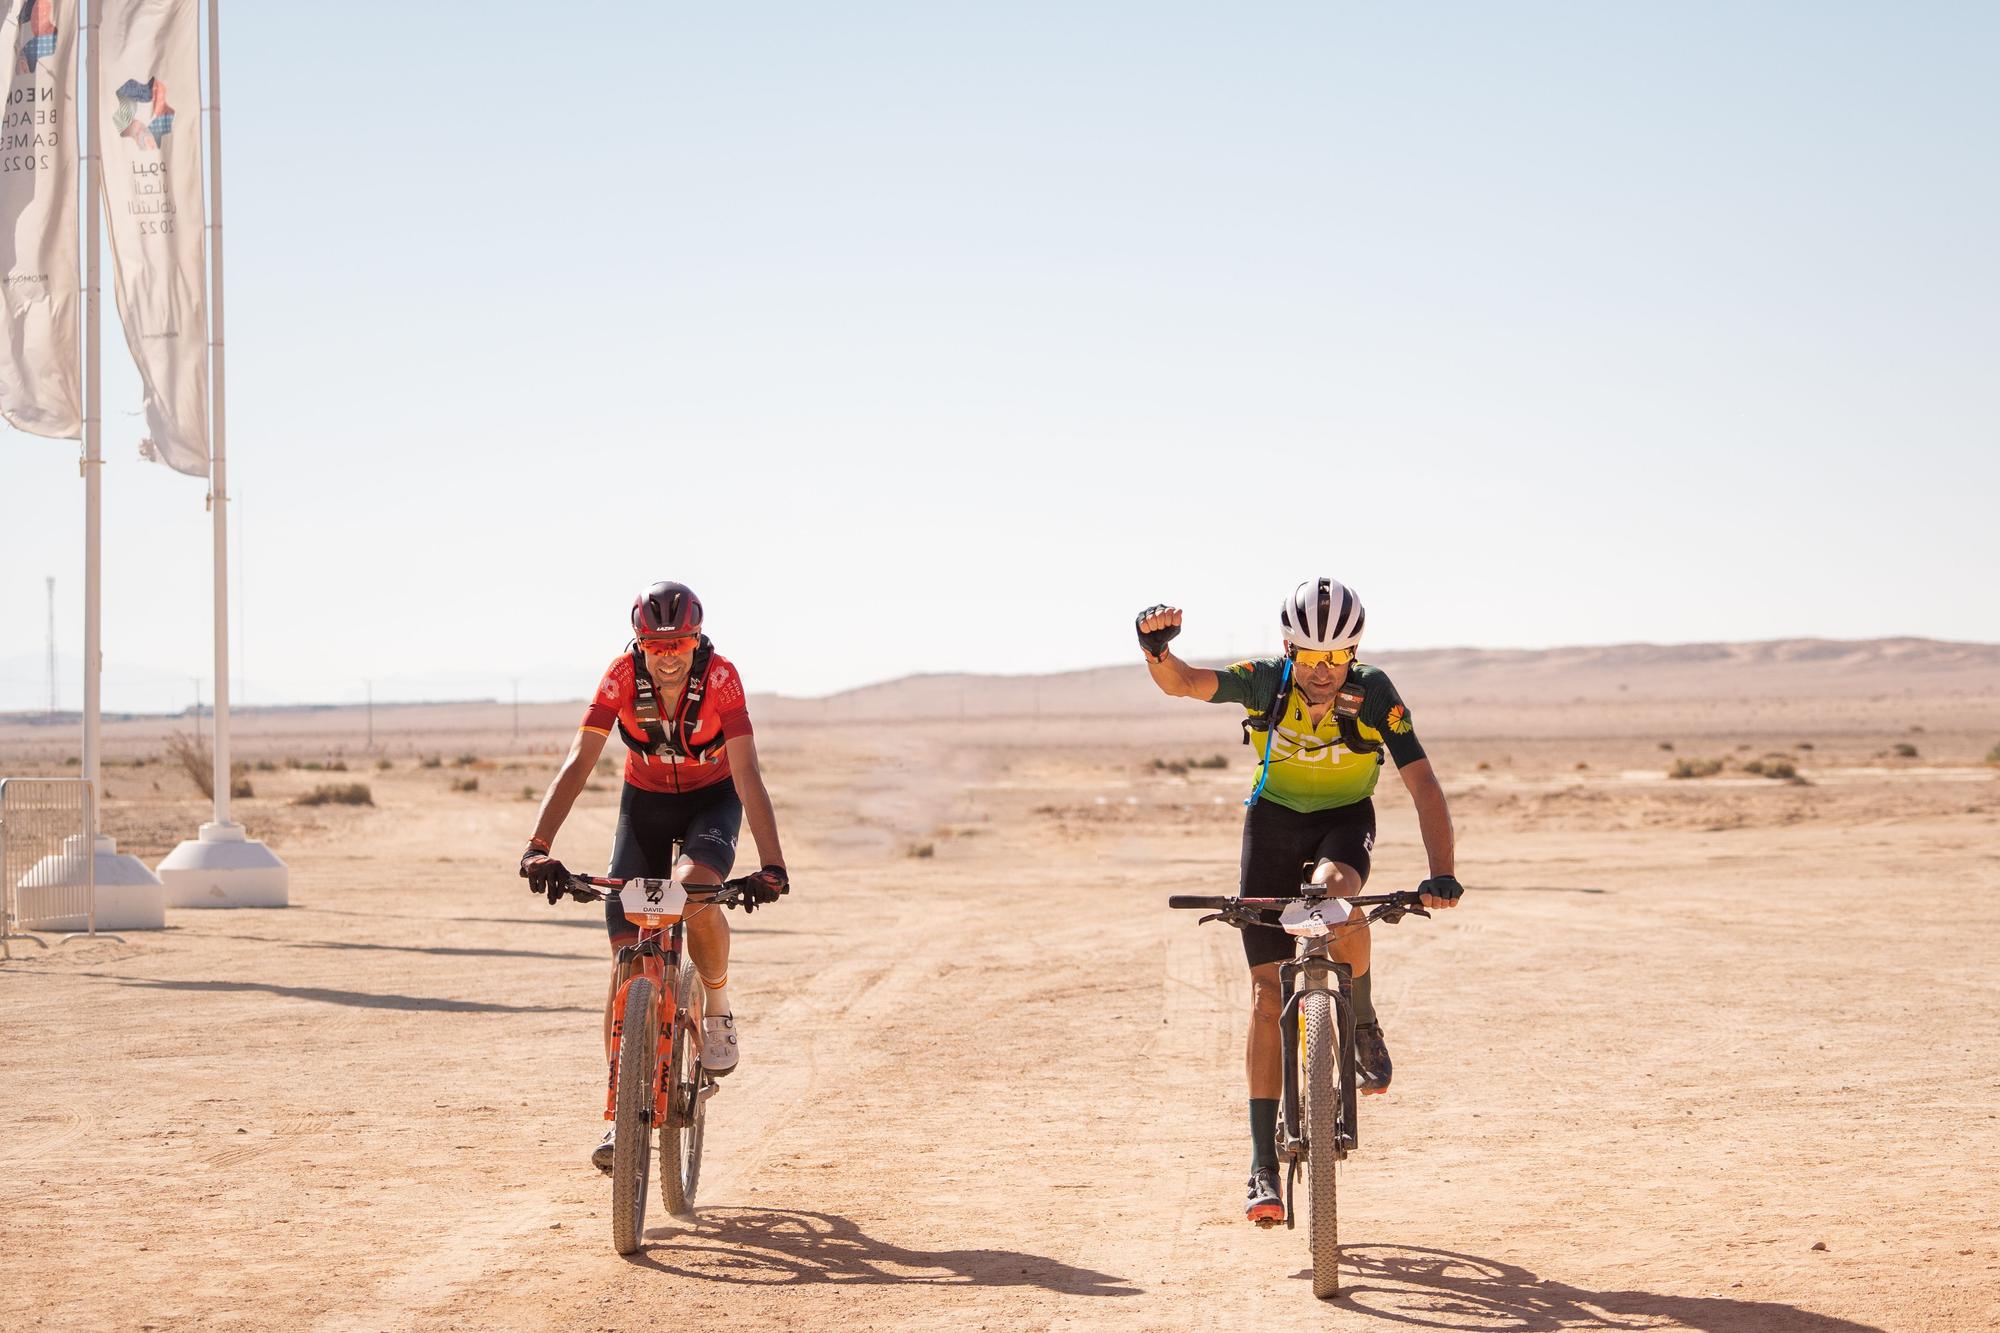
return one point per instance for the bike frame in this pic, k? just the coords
(652, 959)
(1313, 969)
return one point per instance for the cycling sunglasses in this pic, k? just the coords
(676, 644)
(1312, 657)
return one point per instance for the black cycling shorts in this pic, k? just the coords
(1278, 841)
(704, 822)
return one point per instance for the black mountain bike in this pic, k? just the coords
(1317, 1124)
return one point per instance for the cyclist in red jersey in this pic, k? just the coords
(691, 777)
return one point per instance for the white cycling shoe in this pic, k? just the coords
(718, 1044)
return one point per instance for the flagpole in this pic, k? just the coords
(218, 467)
(125, 894)
(93, 442)
(222, 866)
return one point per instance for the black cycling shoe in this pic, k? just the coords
(1266, 1206)
(1371, 1058)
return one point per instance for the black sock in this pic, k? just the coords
(1263, 1132)
(1364, 1001)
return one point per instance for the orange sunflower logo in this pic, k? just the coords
(1399, 720)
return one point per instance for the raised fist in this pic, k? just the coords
(1157, 625)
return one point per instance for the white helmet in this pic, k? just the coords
(1322, 613)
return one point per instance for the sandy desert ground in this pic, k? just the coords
(1716, 1054)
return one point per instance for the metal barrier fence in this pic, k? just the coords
(48, 869)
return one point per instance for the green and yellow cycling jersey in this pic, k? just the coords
(1336, 762)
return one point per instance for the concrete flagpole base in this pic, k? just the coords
(129, 896)
(222, 867)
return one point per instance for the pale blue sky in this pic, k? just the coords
(938, 337)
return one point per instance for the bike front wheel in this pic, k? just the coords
(687, 1102)
(638, 1049)
(1322, 1093)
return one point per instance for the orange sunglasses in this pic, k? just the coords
(1312, 657)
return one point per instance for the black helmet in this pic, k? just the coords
(666, 608)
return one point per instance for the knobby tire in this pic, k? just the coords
(638, 1046)
(680, 1137)
(1322, 1094)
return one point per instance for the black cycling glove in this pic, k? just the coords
(765, 886)
(1153, 642)
(544, 873)
(1442, 886)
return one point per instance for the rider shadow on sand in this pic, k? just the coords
(1425, 1288)
(780, 1246)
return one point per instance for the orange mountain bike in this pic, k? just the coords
(657, 1080)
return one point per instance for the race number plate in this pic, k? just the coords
(652, 903)
(1313, 917)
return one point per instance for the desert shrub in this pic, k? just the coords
(198, 762)
(1668, 746)
(466, 760)
(338, 793)
(1213, 761)
(383, 765)
(194, 760)
(924, 851)
(263, 766)
(1175, 767)
(1903, 750)
(528, 793)
(1772, 766)
(465, 784)
(1803, 745)
(1695, 768)
(431, 761)
(607, 765)
(1993, 755)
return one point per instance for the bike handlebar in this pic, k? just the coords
(1409, 898)
(597, 888)
(1390, 907)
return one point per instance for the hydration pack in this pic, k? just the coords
(1346, 716)
(674, 739)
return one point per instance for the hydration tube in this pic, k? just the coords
(1270, 730)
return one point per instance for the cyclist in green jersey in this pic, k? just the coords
(1321, 723)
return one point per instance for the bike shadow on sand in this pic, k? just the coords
(1426, 1288)
(759, 1247)
(432, 1004)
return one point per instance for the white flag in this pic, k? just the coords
(149, 83)
(39, 381)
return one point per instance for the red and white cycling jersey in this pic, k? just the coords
(722, 710)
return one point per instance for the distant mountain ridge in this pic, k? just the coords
(1760, 669)
(1810, 668)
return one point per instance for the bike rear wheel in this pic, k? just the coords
(638, 1048)
(687, 1106)
(1322, 1093)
